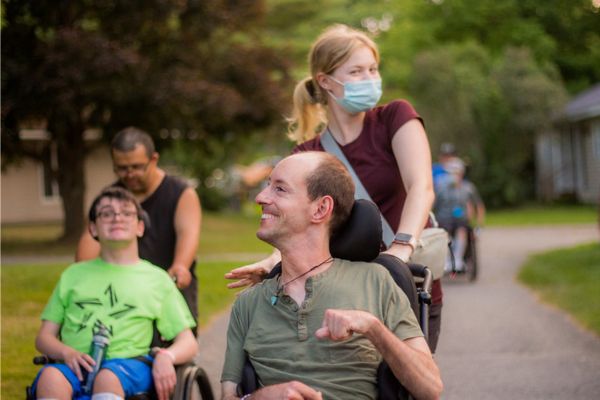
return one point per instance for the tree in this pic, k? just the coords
(565, 33)
(192, 67)
(492, 107)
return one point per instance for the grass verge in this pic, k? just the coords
(570, 279)
(25, 290)
(543, 215)
(220, 233)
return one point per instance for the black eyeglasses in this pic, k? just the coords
(136, 168)
(110, 215)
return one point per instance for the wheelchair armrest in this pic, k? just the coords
(43, 360)
(388, 386)
(249, 382)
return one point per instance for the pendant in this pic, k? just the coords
(274, 299)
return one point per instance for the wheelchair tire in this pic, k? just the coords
(194, 380)
(470, 260)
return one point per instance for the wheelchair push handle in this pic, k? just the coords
(423, 272)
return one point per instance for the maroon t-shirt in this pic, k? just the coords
(372, 157)
(373, 160)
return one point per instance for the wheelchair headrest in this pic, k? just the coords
(359, 239)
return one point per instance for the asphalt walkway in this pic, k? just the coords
(498, 341)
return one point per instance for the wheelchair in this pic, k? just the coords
(470, 259)
(192, 383)
(360, 239)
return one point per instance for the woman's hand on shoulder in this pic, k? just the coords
(247, 275)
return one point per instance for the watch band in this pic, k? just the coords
(407, 239)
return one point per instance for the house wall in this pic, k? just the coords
(545, 146)
(22, 195)
(588, 188)
(23, 199)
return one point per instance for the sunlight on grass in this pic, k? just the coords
(543, 215)
(570, 279)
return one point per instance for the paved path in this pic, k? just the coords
(498, 341)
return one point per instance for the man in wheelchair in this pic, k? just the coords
(457, 203)
(322, 327)
(123, 295)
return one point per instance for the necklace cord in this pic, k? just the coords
(275, 297)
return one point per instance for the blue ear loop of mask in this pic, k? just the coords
(359, 96)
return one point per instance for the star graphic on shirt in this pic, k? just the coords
(109, 300)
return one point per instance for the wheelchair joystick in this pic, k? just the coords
(100, 343)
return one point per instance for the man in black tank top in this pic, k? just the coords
(171, 240)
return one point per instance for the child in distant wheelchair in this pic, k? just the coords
(457, 203)
(122, 296)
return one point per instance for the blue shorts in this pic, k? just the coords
(135, 376)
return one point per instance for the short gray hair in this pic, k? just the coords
(127, 140)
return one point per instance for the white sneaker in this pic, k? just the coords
(459, 265)
(448, 266)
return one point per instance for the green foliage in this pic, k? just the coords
(563, 32)
(491, 107)
(570, 279)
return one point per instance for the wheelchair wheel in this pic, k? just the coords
(470, 260)
(192, 384)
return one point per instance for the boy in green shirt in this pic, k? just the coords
(123, 295)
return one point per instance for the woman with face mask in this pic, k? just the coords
(386, 145)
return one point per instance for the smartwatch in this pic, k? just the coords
(406, 239)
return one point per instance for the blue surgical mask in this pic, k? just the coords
(359, 96)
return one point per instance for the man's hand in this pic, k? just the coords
(181, 275)
(75, 360)
(342, 324)
(293, 390)
(164, 375)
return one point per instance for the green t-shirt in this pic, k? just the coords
(280, 340)
(125, 299)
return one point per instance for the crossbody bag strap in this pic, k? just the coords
(331, 146)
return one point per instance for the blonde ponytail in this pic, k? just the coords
(308, 115)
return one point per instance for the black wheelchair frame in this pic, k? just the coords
(360, 240)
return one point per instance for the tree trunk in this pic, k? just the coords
(71, 154)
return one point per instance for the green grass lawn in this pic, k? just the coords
(570, 279)
(220, 233)
(543, 215)
(25, 290)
